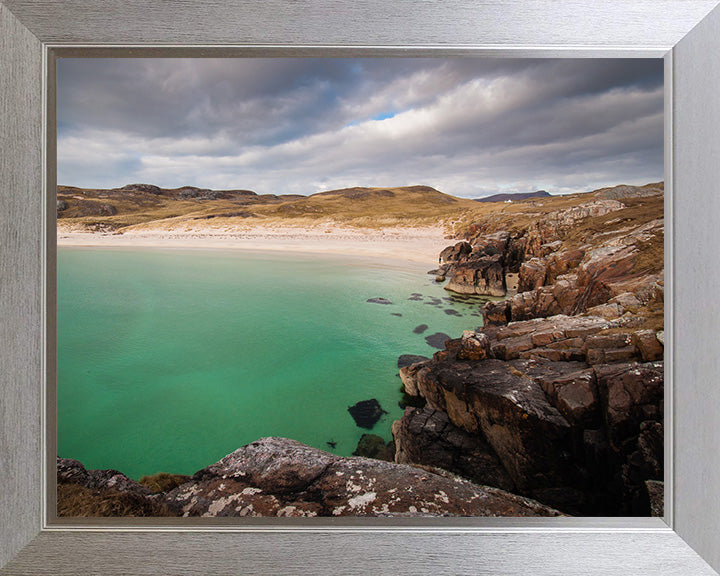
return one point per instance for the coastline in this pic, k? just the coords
(420, 245)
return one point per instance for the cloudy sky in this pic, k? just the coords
(469, 127)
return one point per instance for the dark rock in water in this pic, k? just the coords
(410, 359)
(378, 301)
(415, 298)
(332, 444)
(373, 446)
(452, 312)
(437, 340)
(395, 314)
(366, 413)
(415, 294)
(420, 329)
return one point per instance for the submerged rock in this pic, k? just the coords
(437, 340)
(366, 413)
(373, 446)
(410, 359)
(378, 300)
(420, 329)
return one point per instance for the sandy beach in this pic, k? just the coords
(420, 245)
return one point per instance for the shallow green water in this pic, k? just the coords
(169, 359)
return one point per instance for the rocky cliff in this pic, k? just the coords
(283, 478)
(560, 395)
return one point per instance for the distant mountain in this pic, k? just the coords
(514, 196)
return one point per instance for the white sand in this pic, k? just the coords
(420, 245)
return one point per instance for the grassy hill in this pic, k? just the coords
(144, 207)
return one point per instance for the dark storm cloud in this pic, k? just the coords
(466, 126)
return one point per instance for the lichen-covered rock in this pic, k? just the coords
(281, 477)
(72, 471)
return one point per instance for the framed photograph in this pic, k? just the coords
(59, 518)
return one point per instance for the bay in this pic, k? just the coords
(169, 359)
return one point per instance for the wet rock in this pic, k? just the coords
(366, 413)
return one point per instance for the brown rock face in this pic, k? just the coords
(532, 275)
(427, 436)
(455, 253)
(562, 425)
(631, 393)
(484, 276)
(473, 346)
(281, 477)
(566, 387)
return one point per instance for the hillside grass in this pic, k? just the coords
(412, 206)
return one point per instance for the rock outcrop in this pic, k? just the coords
(284, 478)
(559, 396)
(566, 406)
(281, 477)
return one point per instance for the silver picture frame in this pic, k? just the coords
(683, 32)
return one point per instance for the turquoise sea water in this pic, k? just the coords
(170, 359)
